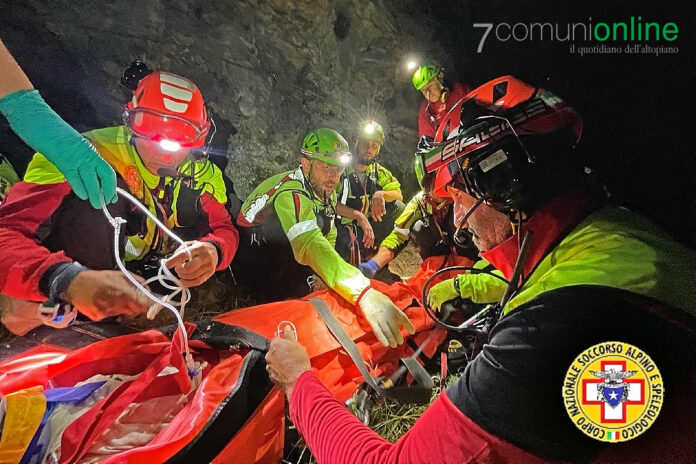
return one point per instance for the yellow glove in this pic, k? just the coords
(443, 292)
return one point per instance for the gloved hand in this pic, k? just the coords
(442, 292)
(74, 156)
(369, 268)
(384, 317)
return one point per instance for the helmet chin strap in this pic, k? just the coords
(308, 182)
(210, 138)
(468, 214)
(167, 172)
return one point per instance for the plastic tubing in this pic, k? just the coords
(164, 276)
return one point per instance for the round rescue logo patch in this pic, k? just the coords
(613, 391)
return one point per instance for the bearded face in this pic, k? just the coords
(323, 177)
(367, 151)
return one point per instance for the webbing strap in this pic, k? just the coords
(346, 342)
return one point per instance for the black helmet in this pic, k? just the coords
(133, 74)
(507, 142)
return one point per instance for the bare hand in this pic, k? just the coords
(197, 269)
(368, 233)
(100, 294)
(286, 360)
(378, 207)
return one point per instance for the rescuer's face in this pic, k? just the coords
(367, 150)
(157, 160)
(322, 176)
(432, 90)
(488, 226)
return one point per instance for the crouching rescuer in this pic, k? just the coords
(59, 250)
(582, 271)
(288, 234)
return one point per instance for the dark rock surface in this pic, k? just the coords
(269, 70)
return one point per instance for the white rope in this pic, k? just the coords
(164, 275)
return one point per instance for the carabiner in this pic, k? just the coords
(281, 329)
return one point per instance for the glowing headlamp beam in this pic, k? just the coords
(344, 159)
(169, 145)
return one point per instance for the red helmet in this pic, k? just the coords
(167, 106)
(491, 140)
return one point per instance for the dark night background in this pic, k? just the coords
(637, 109)
(638, 119)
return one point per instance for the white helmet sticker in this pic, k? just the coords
(492, 161)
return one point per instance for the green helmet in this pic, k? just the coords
(326, 145)
(371, 130)
(425, 74)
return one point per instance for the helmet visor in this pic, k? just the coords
(156, 126)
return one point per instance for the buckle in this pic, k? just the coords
(59, 315)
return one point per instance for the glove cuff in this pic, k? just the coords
(357, 300)
(372, 266)
(18, 101)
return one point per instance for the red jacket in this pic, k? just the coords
(431, 114)
(43, 224)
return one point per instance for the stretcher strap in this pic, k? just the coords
(345, 341)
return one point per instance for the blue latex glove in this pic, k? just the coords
(369, 268)
(74, 156)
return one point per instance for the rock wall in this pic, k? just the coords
(269, 70)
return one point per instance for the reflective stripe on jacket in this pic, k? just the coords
(297, 208)
(617, 248)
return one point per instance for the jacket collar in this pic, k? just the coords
(550, 224)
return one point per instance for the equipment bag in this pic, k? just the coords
(234, 400)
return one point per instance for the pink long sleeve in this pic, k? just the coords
(442, 435)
